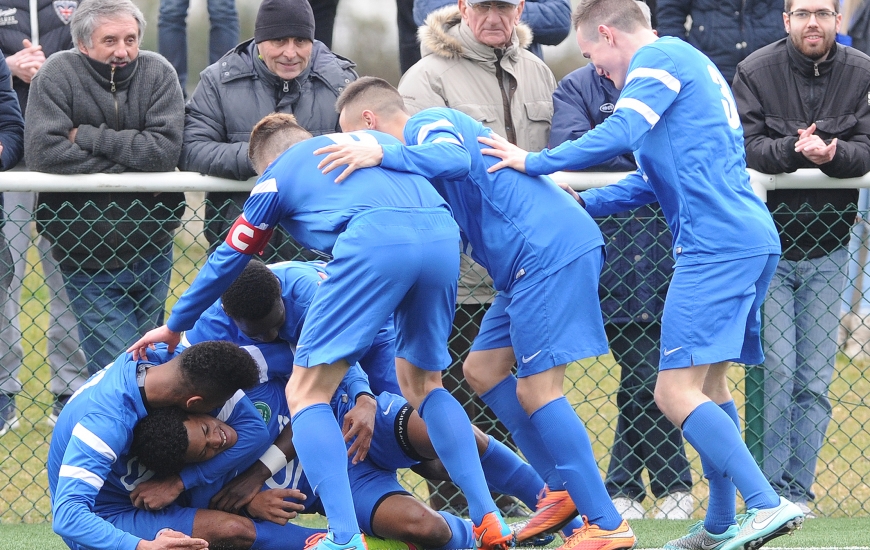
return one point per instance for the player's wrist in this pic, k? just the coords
(274, 459)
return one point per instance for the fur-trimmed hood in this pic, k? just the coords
(446, 35)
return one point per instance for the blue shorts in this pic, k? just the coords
(370, 485)
(146, 525)
(713, 312)
(379, 361)
(552, 322)
(390, 448)
(387, 260)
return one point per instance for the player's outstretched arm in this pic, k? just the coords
(511, 156)
(160, 334)
(167, 539)
(352, 155)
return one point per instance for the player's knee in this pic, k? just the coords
(425, 527)
(234, 532)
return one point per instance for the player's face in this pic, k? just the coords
(266, 329)
(607, 58)
(207, 436)
(492, 23)
(286, 57)
(115, 41)
(811, 27)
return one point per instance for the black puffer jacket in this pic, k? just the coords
(54, 34)
(779, 90)
(725, 30)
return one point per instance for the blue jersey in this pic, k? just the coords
(519, 227)
(309, 205)
(677, 113)
(299, 281)
(90, 471)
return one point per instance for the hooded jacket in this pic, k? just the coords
(510, 90)
(778, 91)
(129, 120)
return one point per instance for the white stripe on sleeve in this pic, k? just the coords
(661, 75)
(640, 107)
(268, 186)
(426, 129)
(93, 441)
(228, 407)
(81, 474)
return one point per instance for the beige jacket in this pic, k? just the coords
(459, 72)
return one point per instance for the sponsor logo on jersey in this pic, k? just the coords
(606, 108)
(264, 409)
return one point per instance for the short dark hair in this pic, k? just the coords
(216, 369)
(273, 135)
(787, 6)
(253, 293)
(624, 15)
(160, 441)
(371, 92)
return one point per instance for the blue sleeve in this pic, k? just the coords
(253, 441)
(95, 444)
(628, 193)
(572, 119)
(651, 87)
(434, 149)
(671, 17)
(356, 381)
(550, 20)
(11, 121)
(379, 362)
(261, 211)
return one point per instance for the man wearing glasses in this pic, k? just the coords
(804, 103)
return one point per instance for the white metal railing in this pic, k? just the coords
(192, 181)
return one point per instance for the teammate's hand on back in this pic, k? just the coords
(168, 539)
(159, 334)
(359, 423)
(352, 155)
(511, 156)
(270, 505)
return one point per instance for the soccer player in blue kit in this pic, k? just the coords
(677, 114)
(544, 254)
(94, 482)
(395, 250)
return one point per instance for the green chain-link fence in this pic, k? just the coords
(842, 485)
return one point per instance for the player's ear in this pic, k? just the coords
(370, 119)
(192, 402)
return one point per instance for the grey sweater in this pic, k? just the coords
(131, 120)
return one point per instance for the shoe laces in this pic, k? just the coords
(314, 539)
(579, 533)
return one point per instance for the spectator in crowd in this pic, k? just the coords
(107, 107)
(65, 358)
(474, 61)
(409, 48)
(549, 20)
(725, 30)
(633, 284)
(803, 104)
(11, 151)
(857, 14)
(282, 69)
(172, 32)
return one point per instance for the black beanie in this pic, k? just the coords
(284, 18)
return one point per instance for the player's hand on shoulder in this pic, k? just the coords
(359, 427)
(154, 336)
(511, 156)
(236, 494)
(168, 539)
(352, 155)
(156, 494)
(271, 505)
(570, 190)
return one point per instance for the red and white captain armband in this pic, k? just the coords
(274, 459)
(246, 238)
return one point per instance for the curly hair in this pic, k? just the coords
(253, 293)
(217, 369)
(160, 441)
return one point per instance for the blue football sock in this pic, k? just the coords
(713, 434)
(570, 447)
(722, 507)
(568, 530)
(502, 399)
(508, 474)
(462, 535)
(323, 455)
(453, 440)
(271, 536)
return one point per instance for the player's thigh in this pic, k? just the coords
(712, 312)
(146, 525)
(370, 486)
(403, 517)
(558, 319)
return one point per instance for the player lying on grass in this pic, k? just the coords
(94, 480)
(384, 508)
(544, 254)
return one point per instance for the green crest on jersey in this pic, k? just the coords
(264, 409)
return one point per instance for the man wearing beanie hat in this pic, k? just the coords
(282, 69)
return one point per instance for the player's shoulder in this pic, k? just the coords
(359, 136)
